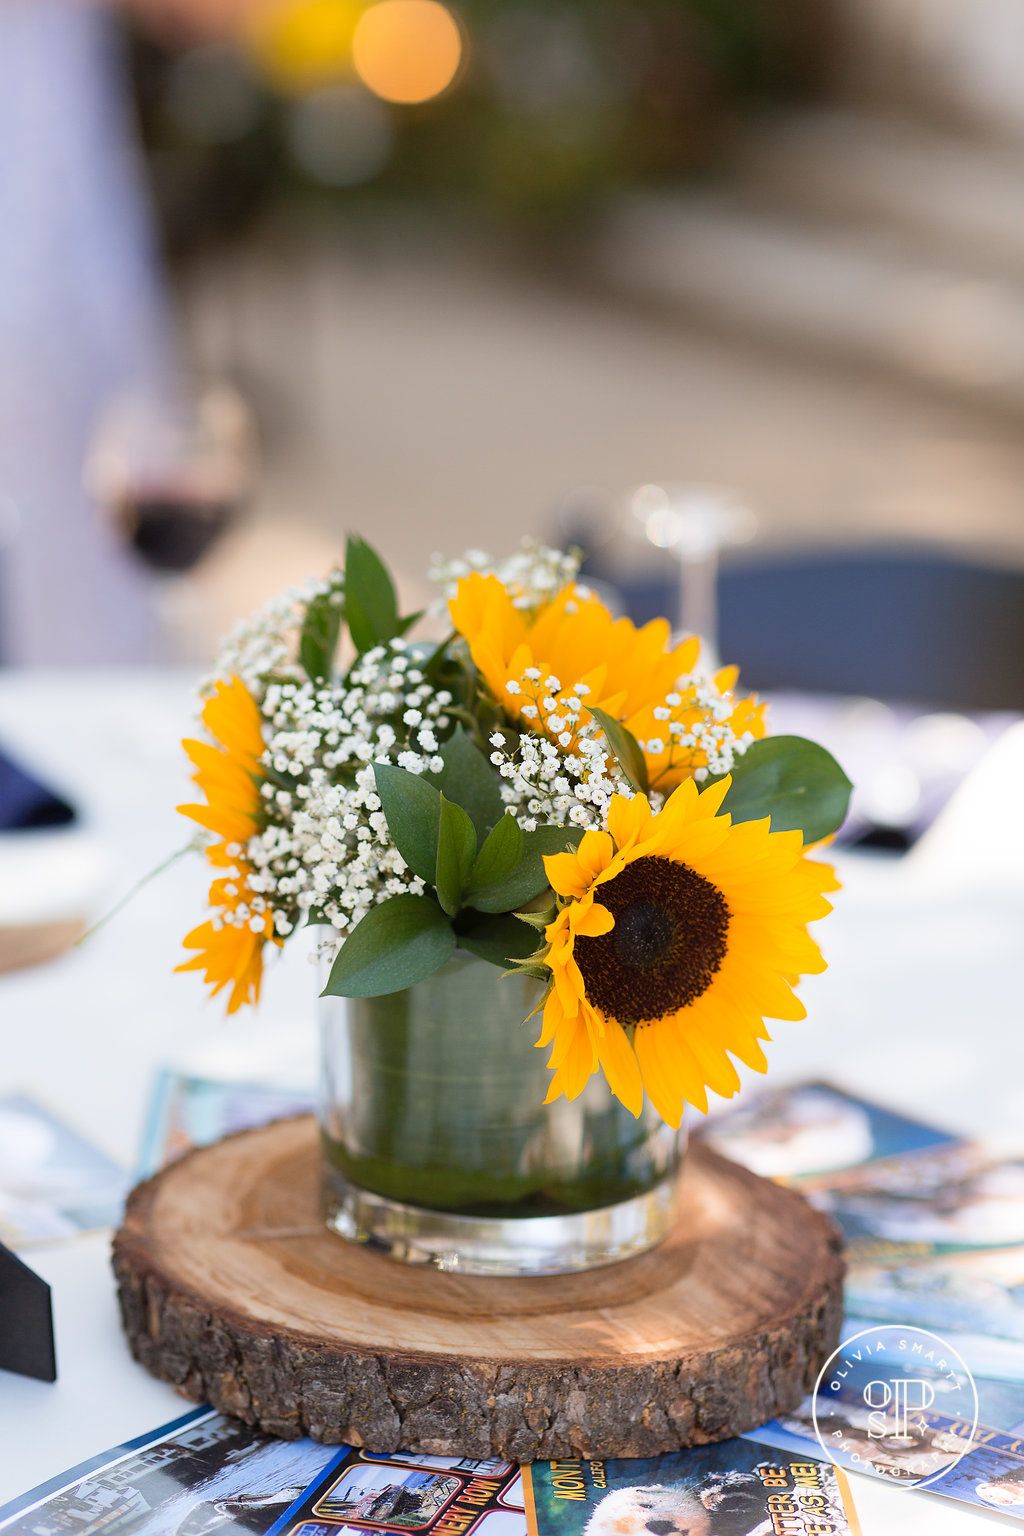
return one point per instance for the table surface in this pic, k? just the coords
(919, 1008)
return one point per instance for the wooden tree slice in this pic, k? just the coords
(232, 1289)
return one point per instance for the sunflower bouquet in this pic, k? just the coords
(544, 787)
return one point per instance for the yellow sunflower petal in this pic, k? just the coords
(554, 1014)
(566, 875)
(736, 910)
(620, 1066)
(656, 1084)
(228, 774)
(595, 852)
(628, 819)
(594, 922)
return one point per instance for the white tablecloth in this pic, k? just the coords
(921, 1007)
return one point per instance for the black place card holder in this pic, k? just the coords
(26, 1320)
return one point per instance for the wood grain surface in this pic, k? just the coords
(232, 1289)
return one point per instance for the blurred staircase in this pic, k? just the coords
(882, 239)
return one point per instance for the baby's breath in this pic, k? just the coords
(325, 850)
(264, 641)
(532, 576)
(695, 733)
(560, 773)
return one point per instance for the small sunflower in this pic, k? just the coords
(574, 643)
(230, 943)
(677, 934)
(574, 637)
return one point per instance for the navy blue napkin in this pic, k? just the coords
(25, 803)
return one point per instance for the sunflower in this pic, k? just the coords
(574, 645)
(230, 944)
(676, 934)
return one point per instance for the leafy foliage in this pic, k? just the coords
(526, 878)
(318, 640)
(626, 749)
(468, 778)
(500, 939)
(399, 942)
(413, 811)
(795, 782)
(456, 851)
(370, 598)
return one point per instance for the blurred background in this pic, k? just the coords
(445, 273)
(730, 293)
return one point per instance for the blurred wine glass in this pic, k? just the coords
(696, 523)
(173, 470)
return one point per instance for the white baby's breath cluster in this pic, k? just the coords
(562, 771)
(533, 575)
(696, 732)
(559, 772)
(326, 848)
(264, 641)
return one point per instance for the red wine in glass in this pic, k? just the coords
(173, 525)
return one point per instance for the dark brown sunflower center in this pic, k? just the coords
(668, 941)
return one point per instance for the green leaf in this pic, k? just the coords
(527, 878)
(371, 603)
(398, 943)
(626, 749)
(456, 850)
(319, 638)
(406, 623)
(412, 808)
(468, 779)
(501, 852)
(499, 939)
(795, 782)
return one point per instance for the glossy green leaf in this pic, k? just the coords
(795, 782)
(498, 939)
(371, 603)
(626, 749)
(456, 851)
(527, 879)
(470, 780)
(501, 852)
(412, 808)
(398, 943)
(318, 640)
(405, 624)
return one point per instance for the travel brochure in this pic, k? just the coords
(189, 1111)
(935, 1228)
(207, 1473)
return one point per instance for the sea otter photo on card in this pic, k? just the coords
(735, 1488)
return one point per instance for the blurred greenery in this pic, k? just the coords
(560, 104)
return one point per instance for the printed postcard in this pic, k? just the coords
(814, 1128)
(736, 1488)
(941, 1200)
(201, 1474)
(433, 1495)
(187, 1112)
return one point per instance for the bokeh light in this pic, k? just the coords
(407, 51)
(340, 136)
(304, 44)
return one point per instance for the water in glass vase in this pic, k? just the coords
(438, 1147)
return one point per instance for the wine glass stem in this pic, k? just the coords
(698, 601)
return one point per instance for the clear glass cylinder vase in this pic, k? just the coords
(438, 1148)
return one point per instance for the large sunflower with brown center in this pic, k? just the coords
(677, 935)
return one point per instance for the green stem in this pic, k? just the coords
(194, 845)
